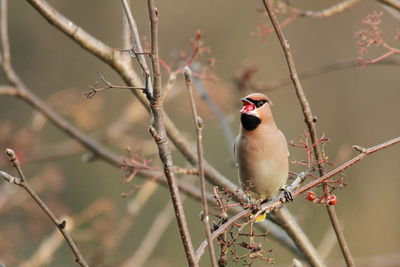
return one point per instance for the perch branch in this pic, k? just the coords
(280, 200)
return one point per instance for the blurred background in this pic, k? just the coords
(353, 106)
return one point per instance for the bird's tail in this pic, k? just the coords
(261, 217)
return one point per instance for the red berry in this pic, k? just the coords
(311, 196)
(332, 200)
(198, 35)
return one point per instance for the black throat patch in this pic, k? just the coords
(249, 122)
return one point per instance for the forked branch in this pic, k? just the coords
(61, 225)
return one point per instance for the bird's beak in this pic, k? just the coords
(247, 106)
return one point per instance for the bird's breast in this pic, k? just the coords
(263, 165)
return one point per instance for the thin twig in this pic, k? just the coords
(137, 47)
(198, 123)
(310, 121)
(8, 90)
(109, 85)
(157, 130)
(226, 129)
(391, 3)
(126, 39)
(333, 10)
(280, 200)
(61, 225)
(315, 71)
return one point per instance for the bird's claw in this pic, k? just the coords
(287, 193)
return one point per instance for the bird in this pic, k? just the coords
(261, 151)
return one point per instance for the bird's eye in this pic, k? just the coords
(259, 103)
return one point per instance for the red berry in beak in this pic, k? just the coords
(247, 106)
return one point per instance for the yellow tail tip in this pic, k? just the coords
(261, 217)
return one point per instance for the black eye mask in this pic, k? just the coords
(257, 103)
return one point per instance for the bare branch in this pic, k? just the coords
(126, 35)
(226, 129)
(109, 85)
(198, 123)
(310, 121)
(157, 130)
(61, 225)
(333, 10)
(8, 90)
(137, 47)
(391, 3)
(273, 85)
(5, 56)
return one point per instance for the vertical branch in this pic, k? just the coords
(126, 35)
(5, 44)
(155, 61)
(137, 47)
(61, 226)
(157, 130)
(199, 130)
(310, 121)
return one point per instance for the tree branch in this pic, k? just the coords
(157, 130)
(310, 121)
(333, 10)
(315, 71)
(391, 3)
(198, 123)
(137, 48)
(61, 225)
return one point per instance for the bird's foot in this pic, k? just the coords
(287, 193)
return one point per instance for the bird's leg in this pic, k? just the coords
(287, 192)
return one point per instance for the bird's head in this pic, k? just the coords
(255, 110)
